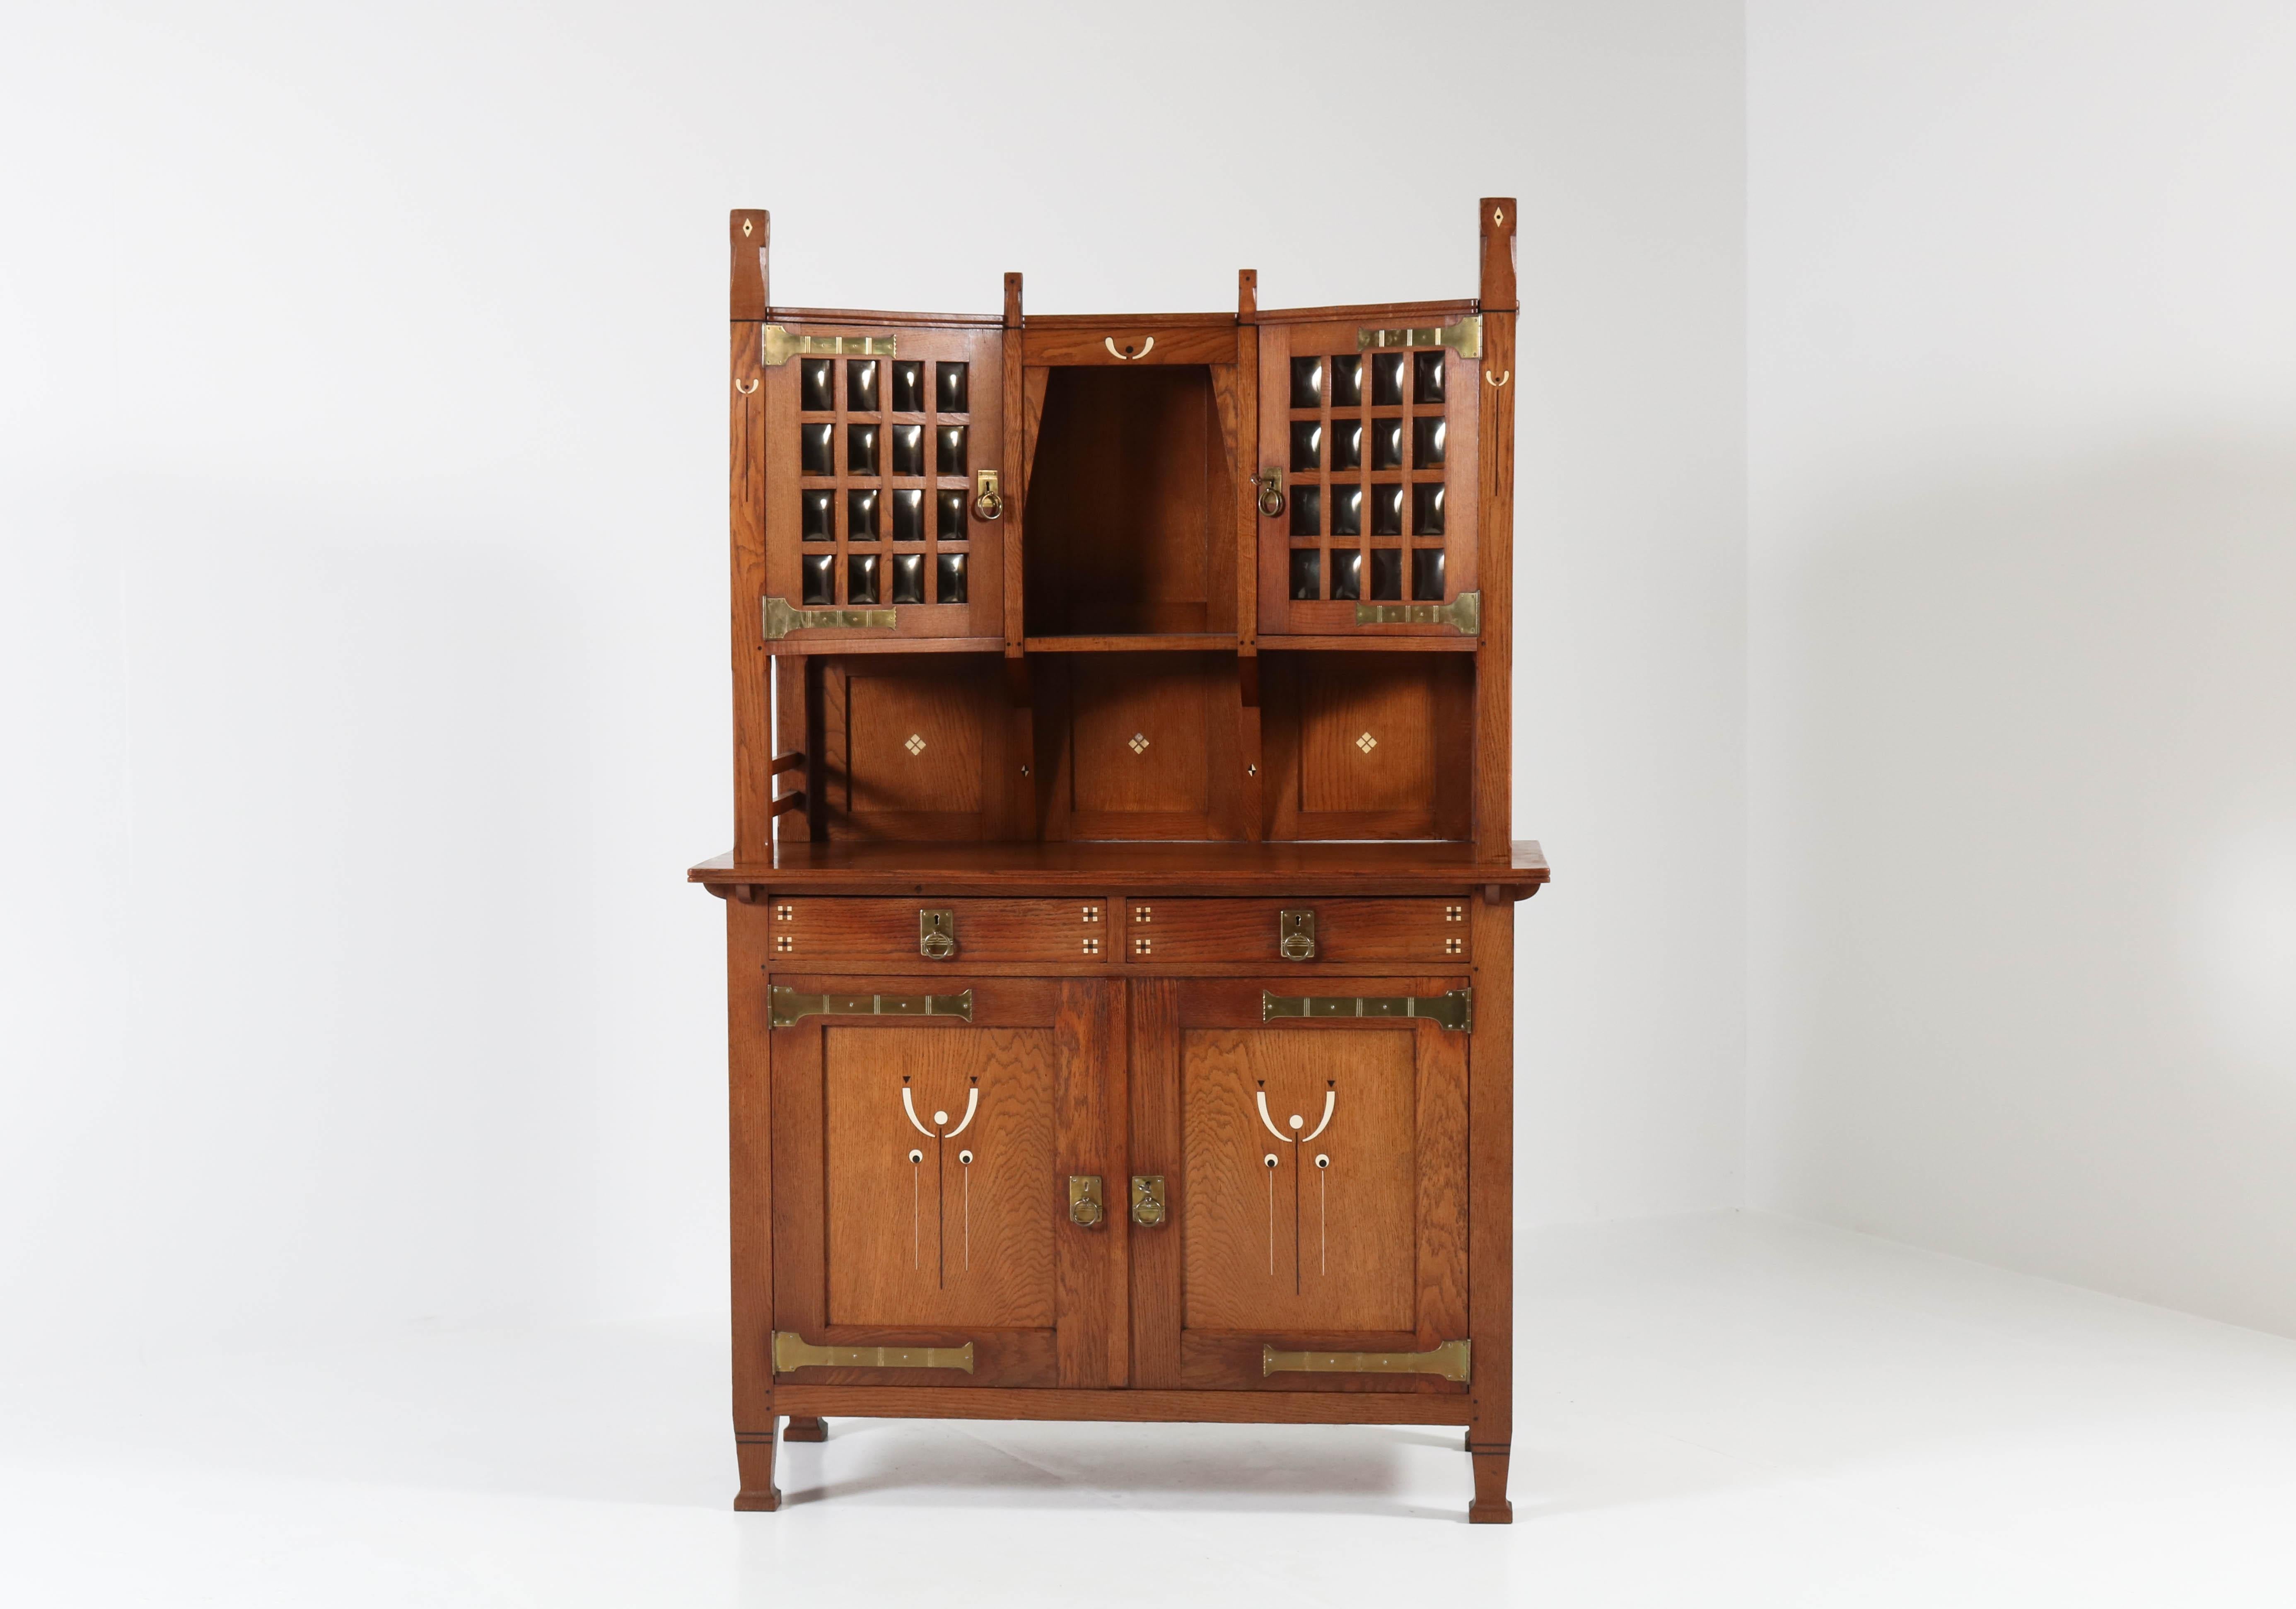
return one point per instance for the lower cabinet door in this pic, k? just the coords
(925, 1128)
(1314, 1176)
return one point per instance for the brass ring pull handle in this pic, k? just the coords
(1128, 355)
(988, 498)
(1147, 1199)
(1085, 1209)
(1270, 483)
(936, 934)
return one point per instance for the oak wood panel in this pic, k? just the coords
(1490, 1184)
(1241, 930)
(1020, 432)
(750, 236)
(1139, 746)
(1143, 1407)
(1091, 1262)
(746, 500)
(914, 747)
(1369, 745)
(1155, 1147)
(1377, 313)
(1050, 344)
(1495, 426)
(807, 931)
(800, 1179)
(750, 1133)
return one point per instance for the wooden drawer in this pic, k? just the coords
(804, 931)
(1432, 930)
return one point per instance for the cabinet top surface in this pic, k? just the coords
(1165, 868)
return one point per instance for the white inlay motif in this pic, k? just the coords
(1139, 744)
(1367, 742)
(917, 743)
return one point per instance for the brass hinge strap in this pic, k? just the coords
(789, 1006)
(1465, 337)
(1464, 612)
(1455, 1011)
(777, 345)
(1450, 1360)
(794, 1351)
(782, 617)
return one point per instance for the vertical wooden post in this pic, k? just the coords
(1495, 537)
(750, 1133)
(753, 696)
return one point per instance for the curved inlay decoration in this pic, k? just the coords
(1272, 1161)
(938, 1132)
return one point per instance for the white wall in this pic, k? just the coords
(2023, 688)
(362, 687)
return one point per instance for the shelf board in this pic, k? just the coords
(1384, 643)
(1145, 641)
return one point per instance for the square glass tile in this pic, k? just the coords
(908, 449)
(1386, 574)
(1307, 574)
(815, 386)
(1307, 511)
(908, 577)
(1387, 510)
(1347, 511)
(1387, 444)
(1307, 446)
(952, 517)
(1307, 382)
(948, 449)
(953, 388)
(861, 516)
(951, 580)
(820, 578)
(815, 445)
(1387, 379)
(1347, 383)
(1427, 510)
(908, 388)
(1427, 379)
(1427, 443)
(908, 514)
(1347, 574)
(860, 450)
(861, 577)
(1427, 574)
(860, 385)
(1347, 444)
(817, 515)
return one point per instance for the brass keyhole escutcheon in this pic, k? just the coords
(1147, 1199)
(936, 934)
(1295, 935)
(1085, 1209)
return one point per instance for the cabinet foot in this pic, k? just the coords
(753, 1449)
(1490, 1506)
(804, 1429)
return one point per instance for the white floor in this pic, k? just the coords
(1717, 1411)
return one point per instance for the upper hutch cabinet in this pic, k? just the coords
(1121, 915)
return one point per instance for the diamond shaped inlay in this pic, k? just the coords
(1139, 744)
(916, 746)
(1367, 742)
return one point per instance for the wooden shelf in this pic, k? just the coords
(1367, 643)
(1159, 642)
(851, 867)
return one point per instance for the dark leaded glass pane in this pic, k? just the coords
(1387, 381)
(1307, 382)
(1347, 444)
(1427, 444)
(861, 577)
(1347, 383)
(1307, 446)
(908, 577)
(952, 517)
(820, 519)
(1427, 379)
(1427, 574)
(1347, 574)
(1307, 511)
(1427, 510)
(820, 578)
(953, 392)
(1386, 573)
(909, 515)
(952, 578)
(1347, 511)
(861, 516)
(1307, 574)
(908, 388)
(814, 449)
(817, 397)
(948, 451)
(1387, 444)
(908, 449)
(860, 450)
(1386, 510)
(860, 385)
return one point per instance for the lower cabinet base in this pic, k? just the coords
(754, 1451)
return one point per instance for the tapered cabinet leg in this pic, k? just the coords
(754, 1448)
(1490, 1506)
(802, 1429)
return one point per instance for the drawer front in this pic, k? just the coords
(1430, 931)
(803, 931)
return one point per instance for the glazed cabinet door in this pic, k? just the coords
(925, 1130)
(1372, 425)
(1313, 1175)
(882, 448)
